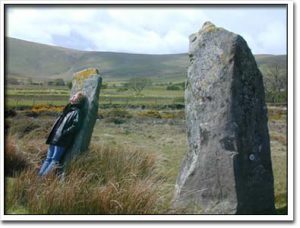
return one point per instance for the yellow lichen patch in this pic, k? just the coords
(225, 58)
(209, 27)
(80, 76)
(84, 74)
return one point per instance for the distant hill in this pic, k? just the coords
(28, 59)
(39, 61)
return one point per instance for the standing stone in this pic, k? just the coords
(88, 81)
(227, 169)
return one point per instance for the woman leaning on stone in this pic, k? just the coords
(63, 133)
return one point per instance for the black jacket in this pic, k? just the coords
(66, 126)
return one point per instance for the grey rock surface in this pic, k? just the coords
(227, 169)
(88, 81)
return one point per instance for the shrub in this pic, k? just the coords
(122, 89)
(10, 113)
(104, 86)
(118, 112)
(174, 87)
(150, 113)
(179, 100)
(56, 82)
(276, 97)
(43, 108)
(117, 115)
(177, 86)
(7, 124)
(172, 114)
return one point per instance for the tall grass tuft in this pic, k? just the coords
(105, 180)
(15, 161)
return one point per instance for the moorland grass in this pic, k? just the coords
(107, 180)
(130, 168)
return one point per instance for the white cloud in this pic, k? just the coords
(144, 30)
(273, 37)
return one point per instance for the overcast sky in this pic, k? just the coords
(149, 30)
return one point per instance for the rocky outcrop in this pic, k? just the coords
(227, 169)
(88, 81)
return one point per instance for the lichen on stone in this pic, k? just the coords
(80, 76)
(209, 27)
(84, 74)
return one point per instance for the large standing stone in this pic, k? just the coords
(227, 169)
(88, 81)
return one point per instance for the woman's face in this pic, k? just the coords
(74, 99)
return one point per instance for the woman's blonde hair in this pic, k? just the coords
(80, 97)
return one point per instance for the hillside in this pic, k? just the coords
(28, 59)
(40, 61)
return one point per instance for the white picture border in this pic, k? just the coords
(290, 55)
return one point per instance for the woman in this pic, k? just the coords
(63, 132)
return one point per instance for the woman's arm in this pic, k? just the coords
(76, 122)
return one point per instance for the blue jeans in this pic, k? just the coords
(54, 155)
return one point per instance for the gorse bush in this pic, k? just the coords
(150, 113)
(106, 180)
(172, 114)
(116, 115)
(118, 112)
(43, 108)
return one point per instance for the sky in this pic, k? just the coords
(147, 29)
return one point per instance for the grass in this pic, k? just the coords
(121, 169)
(27, 96)
(137, 158)
(110, 180)
(15, 161)
(278, 136)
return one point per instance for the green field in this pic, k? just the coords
(156, 133)
(27, 96)
(151, 124)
